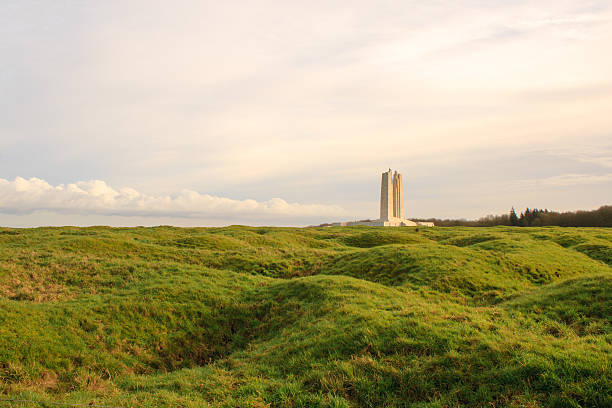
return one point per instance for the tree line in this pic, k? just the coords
(602, 217)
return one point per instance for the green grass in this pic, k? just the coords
(317, 317)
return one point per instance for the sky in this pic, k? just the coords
(286, 113)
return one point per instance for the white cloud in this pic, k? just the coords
(599, 154)
(563, 180)
(95, 197)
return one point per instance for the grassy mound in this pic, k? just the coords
(328, 317)
(583, 305)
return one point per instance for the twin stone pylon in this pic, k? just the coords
(391, 196)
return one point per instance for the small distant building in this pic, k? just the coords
(391, 205)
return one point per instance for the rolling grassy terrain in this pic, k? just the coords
(317, 317)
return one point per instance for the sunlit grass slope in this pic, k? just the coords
(318, 317)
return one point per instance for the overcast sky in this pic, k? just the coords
(287, 112)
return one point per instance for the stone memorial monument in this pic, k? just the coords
(391, 205)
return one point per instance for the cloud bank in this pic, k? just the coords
(566, 180)
(96, 197)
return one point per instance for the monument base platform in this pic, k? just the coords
(392, 222)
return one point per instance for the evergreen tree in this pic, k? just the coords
(521, 221)
(514, 221)
(528, 217)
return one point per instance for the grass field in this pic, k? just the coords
(317, 317)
